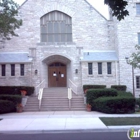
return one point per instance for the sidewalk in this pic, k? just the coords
(58, 121)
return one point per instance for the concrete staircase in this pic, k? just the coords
(55, 99)
(32, 104)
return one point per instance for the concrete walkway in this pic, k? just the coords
(58, 121)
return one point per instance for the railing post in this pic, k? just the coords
(69, 97)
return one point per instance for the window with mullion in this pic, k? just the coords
(22, 69)
(90, 71)
(3, 70)
(100, 68)
(137, 8)
(12, 69)
(139, 38)
(56, 27)
(137, 81)
(109, 70)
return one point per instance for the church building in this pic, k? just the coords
(68, 43)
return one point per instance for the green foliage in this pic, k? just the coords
(93, 94)
(118, 8)
(7, 106)
(115, 105)
(138, 101)
(134, 59)
(125, 94)
(93, 87)
(119, 87)
(8, 19)
(16, 99)
(15, 90)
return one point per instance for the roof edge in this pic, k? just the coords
(96, 10)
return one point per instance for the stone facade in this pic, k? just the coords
(90, 32)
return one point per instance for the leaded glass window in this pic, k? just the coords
(56, 27)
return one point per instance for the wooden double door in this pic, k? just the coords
(57, 75)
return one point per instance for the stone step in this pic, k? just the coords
(55, 99)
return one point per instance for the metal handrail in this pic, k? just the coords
(73, 87)
(40, 97)
(69, 97)
(40, 85)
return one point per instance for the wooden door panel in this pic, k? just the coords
(60, 79)
(51, 78)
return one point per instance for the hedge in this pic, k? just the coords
(7, 106)
(93, 94)
(16, 99)
(93, 87)
(115, 105)
(122, 93)
(138, 101)
(119, 87)
(15, 90)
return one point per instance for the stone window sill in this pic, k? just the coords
(3, 77)
(137, 89)
(100, 75)
(109, 75)
(90, 75)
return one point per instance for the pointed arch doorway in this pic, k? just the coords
(57, 76)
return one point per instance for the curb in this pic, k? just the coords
(63, 131)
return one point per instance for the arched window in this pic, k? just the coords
(56, 27)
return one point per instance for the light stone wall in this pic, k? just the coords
(127, 39)
(95, 78)
(90, 32)
(18, 80)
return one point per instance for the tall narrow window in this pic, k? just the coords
(56, 27)
(99, 68)
(3, 70)
(138, 81)
(22, 69)
(12, 69)
(109, 70)
(139, 38)
(90, 72)
(137, 8)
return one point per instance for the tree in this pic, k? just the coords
(134, 59)
(118, 8)
(8, 19)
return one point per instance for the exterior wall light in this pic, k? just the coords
(36, 71)
(76, 71)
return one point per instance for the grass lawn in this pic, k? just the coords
(114, 121)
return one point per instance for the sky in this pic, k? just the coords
(98, 4)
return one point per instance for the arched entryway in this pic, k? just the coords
(57, 76)
(56, 71)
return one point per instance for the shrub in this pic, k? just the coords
(115, 105)
(6, 106)
(119, 87)
(16, 99)
(93, 94)
(122, 93)
(93, 87)
(15, 90)
(138, 101)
